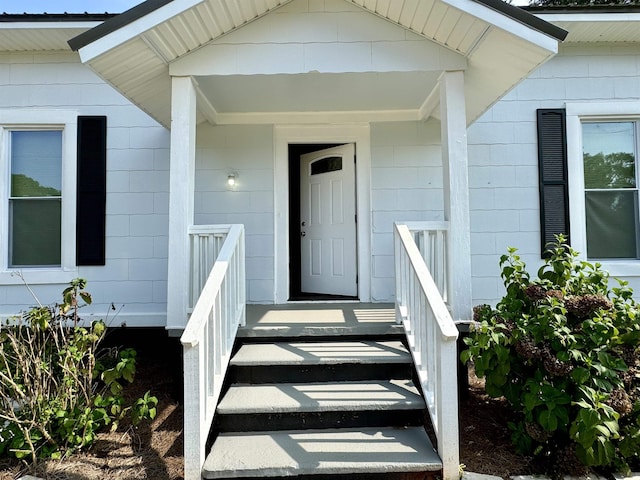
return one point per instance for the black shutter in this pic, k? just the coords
(91, 190)
(554, 188)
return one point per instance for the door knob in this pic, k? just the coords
(304, 224)
(304, 234)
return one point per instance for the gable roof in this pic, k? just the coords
(149, 6)
(134, 50)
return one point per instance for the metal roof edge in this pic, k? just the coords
(54, 17)
(523, 16)
(572, 9)
(113, 24)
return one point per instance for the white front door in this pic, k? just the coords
(328, 221)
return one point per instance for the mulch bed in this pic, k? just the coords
(154, 451)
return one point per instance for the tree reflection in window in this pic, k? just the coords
(35, 198)
(611, 197)
(326, 165)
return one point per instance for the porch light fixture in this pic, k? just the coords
(232, 178)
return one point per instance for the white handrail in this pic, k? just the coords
(431, 239)
(431, 335)
(207, 342)
(205, 242)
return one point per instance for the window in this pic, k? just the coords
(610, 189)
(38, 170)
(35, 198)
(602, 145)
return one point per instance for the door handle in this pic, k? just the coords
(304, 224)
(303, 234)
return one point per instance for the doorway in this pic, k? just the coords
(322, 222)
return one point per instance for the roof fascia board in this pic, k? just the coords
(507, 23)
(48, 25)
(522, 15)
(589, 17)
(115, 36)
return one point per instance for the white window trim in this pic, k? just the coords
(577, 113)
(66, 121)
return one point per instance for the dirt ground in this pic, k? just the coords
(151, 451)
(154, 451)
(485, 440)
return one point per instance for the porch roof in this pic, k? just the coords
(44, 32)
(499, 44)
(612, 24)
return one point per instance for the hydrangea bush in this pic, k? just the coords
(564, 350)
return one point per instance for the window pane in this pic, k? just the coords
(35, 233)
(609, 159)
(326, 165)
(36, 163)
(611, 224)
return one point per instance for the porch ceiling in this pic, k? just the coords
(500, 44)
(316, 92)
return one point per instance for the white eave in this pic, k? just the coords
(500, 50)
(40, 36)
(589, 27)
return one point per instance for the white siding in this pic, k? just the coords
(247, 151)
(503, 160)
(134, 277)
(406, 184)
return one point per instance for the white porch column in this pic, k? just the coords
(181, 192)
(456, 191)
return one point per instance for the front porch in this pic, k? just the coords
(343, 342)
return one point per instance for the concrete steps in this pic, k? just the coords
(321, 452)
(321, 409)
(320, 405)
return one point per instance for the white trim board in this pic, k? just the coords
(283, 136)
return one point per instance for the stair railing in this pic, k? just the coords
(207, 342)
(431, 239)
(205, 242)
(431, 335)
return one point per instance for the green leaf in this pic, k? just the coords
(580, 375)
(548, 420)
(86, 297)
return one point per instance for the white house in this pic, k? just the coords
(193, 92)
(317, 125)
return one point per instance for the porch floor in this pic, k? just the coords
(320, 319)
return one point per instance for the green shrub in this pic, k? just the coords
(58, 389)
(563, 349)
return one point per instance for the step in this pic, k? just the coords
(288, 406)
(321, 452)
(316, 353)
(320, 361)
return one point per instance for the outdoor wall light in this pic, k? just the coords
(232, 180)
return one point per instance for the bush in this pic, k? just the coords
(563, 349)
(58, 389)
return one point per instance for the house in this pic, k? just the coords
(306, 74)
(177, 115)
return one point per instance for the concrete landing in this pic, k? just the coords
(318, 452)
(320, 319)
(321, 397)
(325, 353)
